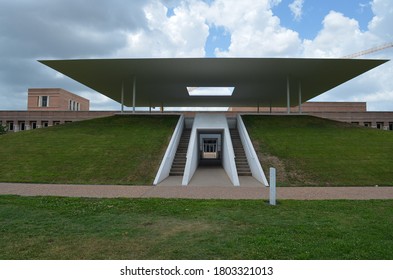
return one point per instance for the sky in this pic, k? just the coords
(70, 29)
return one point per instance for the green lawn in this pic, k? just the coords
(113, 150)
(306, 151)
(310, 151)
(80, 228)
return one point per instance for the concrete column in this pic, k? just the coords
(133, 94)
(288, 97)
(272, 186)
(300, 97)
(122, 97)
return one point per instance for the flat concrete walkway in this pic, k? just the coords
(196, 192)
(208, 177)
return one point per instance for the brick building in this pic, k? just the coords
(55, 99)
(350, 112)
(54, 106)
(48, 107)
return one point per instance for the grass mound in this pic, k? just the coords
(81, 228)
(312, 151)
(113, 150)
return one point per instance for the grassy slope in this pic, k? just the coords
(78, 228)
(313, 151)
(114, 150)
(128, 149)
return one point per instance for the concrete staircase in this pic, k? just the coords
(243, 169)
(179, 161)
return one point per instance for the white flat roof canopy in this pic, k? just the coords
(256, 81)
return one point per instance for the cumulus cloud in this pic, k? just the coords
(382, 22)
(341, 36)
(338, 37)
(31, 30)
(66, 29)
(181, 35)
(254, 30)
(58, 29)
(296, 8)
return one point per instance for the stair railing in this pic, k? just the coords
(169, 156)
(252, 157)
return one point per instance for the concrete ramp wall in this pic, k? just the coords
(166, 163)
(252, 157)
(213, 122)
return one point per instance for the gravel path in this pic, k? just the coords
(203, 192)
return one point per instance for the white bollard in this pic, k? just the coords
(272, 187)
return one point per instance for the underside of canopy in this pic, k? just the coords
(256, 81)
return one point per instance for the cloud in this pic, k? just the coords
(382, 21)
(338, 37)
(32, 30)
(296, 8)
(254, 30)
(59, 29)
(66, 29)
(342, 36)
(181, 35)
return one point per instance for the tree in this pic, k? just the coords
(3, 130)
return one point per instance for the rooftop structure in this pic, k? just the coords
(277, 82)
(208, 139)
(55, 99)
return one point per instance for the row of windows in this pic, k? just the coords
(21, 125)
(43, 101)
(74, 106)
(379, 125)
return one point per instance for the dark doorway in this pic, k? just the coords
(210, 143)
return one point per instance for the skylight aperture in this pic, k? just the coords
(210, 91)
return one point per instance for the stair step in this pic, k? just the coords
(242, 166)
(176, 173)
(244, 174)
(176, 170)
(179, 162)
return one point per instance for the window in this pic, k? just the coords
(45, 124)
(43, 101)
(380, 125)
(22, 126)
(10, 126)
(367, 124)
(209, 148)
(33, 125)
(70, 105)
(391, 126)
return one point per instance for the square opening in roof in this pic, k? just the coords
(210, 91)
